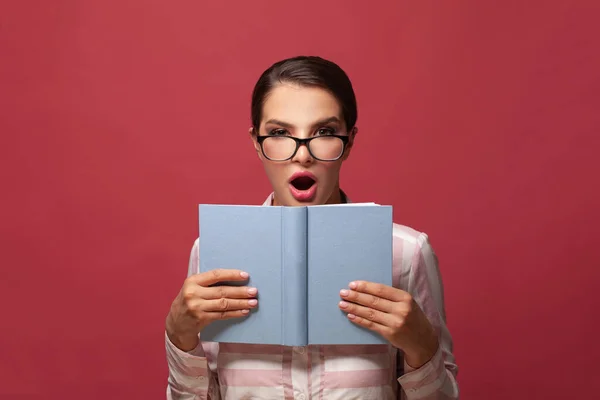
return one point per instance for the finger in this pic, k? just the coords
(374, 326)
(226, 305)
(380, 290)
(227, 292)
(367, 313)
(219, 275)
(368, 300)
(219, 315)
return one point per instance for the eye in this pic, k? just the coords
(277, 132)
(326, 131)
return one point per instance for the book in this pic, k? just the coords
(299, 258)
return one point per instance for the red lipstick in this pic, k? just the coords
(303, 186)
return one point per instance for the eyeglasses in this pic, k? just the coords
(322, 148)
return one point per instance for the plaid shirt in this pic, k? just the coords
(222, 371)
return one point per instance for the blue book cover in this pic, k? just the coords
(299, 258)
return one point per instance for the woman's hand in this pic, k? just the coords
(198, 304)
(393, 314)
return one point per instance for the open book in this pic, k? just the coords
(298, 258)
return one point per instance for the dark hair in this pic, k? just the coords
(306, 71)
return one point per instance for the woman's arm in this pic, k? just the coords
(436, 379)
(412, 319)
(190, 377)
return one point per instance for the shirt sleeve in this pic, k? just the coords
(436, 379)
(190, 376)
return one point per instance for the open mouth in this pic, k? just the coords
(303, 183)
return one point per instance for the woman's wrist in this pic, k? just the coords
(184, 343)
(421, 355)
(183, 339)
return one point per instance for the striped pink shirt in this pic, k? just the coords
(246, 371)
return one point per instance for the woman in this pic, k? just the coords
(303, 129)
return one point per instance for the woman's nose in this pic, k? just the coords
(303, 156)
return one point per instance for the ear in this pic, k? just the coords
(253, 135)
(351, 136)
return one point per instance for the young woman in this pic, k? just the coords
(303, 129)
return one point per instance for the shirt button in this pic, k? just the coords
(299, 350)
(301, 396)
(201, 378)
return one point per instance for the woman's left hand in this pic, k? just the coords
(394, 314)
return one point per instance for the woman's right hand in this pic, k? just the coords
(198, 304)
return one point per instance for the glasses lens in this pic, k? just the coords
(279, 147)
(327, 147)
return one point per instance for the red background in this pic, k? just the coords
(478, 121)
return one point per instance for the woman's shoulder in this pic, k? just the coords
(411, 246)
(403, 235)
(407, 235)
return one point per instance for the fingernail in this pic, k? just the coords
(343, 304)
(351, 316)
(344, 292)
(244, 274)
(352, 285)
(252, 291)
(245, 311)
(253, 302)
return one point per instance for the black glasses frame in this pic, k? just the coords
(305, 141)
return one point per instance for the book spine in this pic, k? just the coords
(294, 276)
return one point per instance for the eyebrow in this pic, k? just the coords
(288, 125)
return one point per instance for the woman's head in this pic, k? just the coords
(303, 98)
(308, 72)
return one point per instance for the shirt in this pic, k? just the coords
(228, 371)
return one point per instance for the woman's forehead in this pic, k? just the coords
(300, 105)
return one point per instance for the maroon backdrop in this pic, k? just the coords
(478, 121)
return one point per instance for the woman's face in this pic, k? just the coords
(302, 112)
